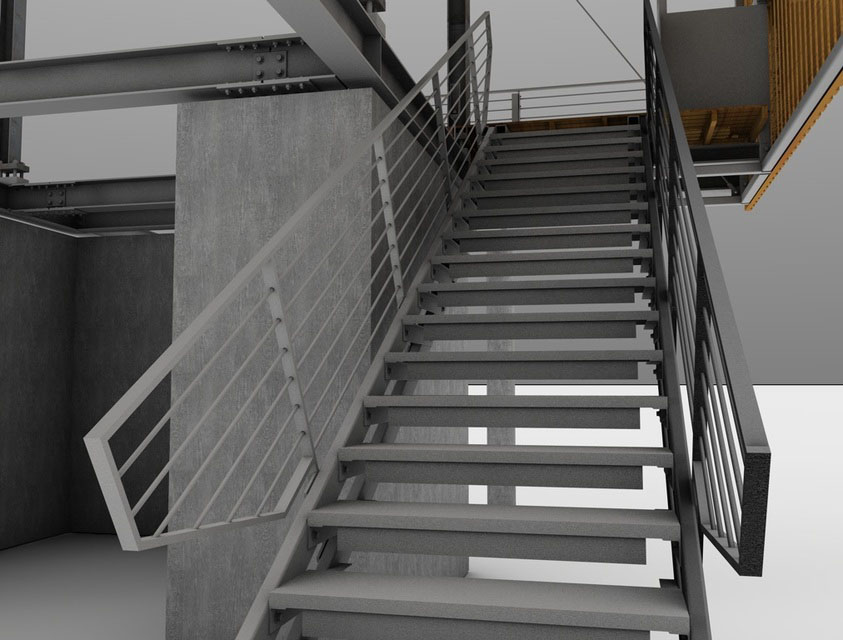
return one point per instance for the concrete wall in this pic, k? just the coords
(122, 318)
(81, 320)
(718, 57)
(36, 332)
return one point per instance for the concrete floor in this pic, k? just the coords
(84, 587)
(81, 587)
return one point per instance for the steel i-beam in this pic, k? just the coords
(162, 75)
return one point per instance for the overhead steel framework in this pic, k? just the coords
(348, 37)
(94, 207)
(162, 75)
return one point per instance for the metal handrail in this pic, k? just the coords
(545, 102)
(731, 456)
(295, 350)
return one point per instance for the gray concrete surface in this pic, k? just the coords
(81, 587)
(36, 313)
(718, 57)
(254, 162)
(82, 319)
(122, 322)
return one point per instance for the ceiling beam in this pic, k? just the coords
(161, 75)
(349, 39)
(89, 208)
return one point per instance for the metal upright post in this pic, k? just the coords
(12, 43)
(389, 219)
(516, 107)
(475, 91)
(443, 135)
(459, 15)
(288, 362)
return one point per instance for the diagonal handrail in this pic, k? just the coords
(732, 481)
(417, 166)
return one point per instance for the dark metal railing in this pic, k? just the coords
(730, 454)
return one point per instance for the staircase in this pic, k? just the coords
(554, 228)
(587, 250)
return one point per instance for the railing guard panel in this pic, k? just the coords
(292, 332)
(731, 456)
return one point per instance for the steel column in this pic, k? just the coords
(459, 20)
(12, 44)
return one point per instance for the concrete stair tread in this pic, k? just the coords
(510, 454)
(641, 608)
(544, 143)
(586, 156)
(558, 173)
(573, 283)
(530, 256)
(633, 227)
(632, 205)
(514, 318)
(621, 128)
(560, 402)
(551, 191)
(530, 356)
(570, 521)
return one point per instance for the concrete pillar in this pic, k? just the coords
(243, 168)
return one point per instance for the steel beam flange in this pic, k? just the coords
(280, 86)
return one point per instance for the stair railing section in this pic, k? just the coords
(226, 427)
(587, 99)
(731, 457)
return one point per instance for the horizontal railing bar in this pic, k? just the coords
(337, 272)
(223, 437)
(278, 476)
(580, 104)
(594, 114)
(162, 474)
(281, 431)
(365, 293)
(230, 473)
(565, 86)
(175, 405)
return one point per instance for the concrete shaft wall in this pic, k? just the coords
(81, 320)
(243, 169)
(36, 342)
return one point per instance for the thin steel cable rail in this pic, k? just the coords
(613, 97)
(731, 456)
(255, 383)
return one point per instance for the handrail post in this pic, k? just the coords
(487, 80)
(288, 363)
(389, 219)
(443, 136)
(475, 90)
(516, 106)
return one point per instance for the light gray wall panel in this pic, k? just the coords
(718, 57)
